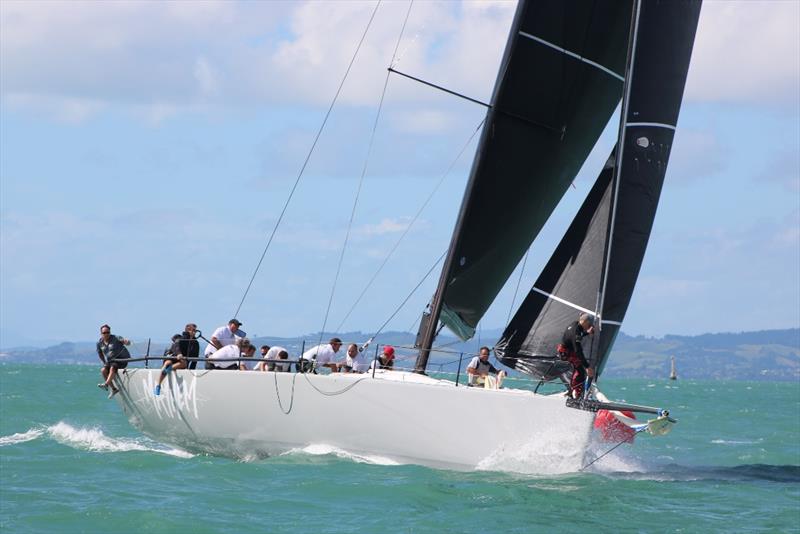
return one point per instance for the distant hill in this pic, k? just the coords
(762, 355)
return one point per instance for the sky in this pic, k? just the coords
(147, 150)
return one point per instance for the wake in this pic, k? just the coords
(90, 439)
(329, 450)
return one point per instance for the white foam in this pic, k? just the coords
(736, 442)
(321, 449)
(615, 462)
(93, 439)
(21, 437)
(563, 455)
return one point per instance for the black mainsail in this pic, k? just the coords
(596, 265)
(560, 79)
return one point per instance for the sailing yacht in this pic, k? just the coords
(567, 65)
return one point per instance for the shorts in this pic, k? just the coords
(117, 363)
(231, 367)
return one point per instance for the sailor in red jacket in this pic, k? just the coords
(571, 349)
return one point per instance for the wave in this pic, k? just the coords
(21, 437)
(321, 449)
(737, 473)
(736, 442)
(91, 439)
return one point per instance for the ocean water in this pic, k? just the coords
(69, 462)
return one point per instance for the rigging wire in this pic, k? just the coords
(361, 179)
(416, 320)
(611, 449)
(305, 163)
(413, 220)
(396, 311)
(514, 300)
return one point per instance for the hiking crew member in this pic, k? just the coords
(112, 352)
(183, 346)
(571, 350)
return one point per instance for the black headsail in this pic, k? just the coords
(560, 79)
(596, 265)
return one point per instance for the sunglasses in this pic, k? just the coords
(106, 332)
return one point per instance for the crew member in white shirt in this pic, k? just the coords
(225, 335)
(479, 368)
(248, 352)
(269, 360)
(354, 362)
(325, 354)
(230, 351)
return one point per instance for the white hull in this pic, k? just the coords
(399, 416)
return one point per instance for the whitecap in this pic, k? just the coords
(21, 437)
(736, 442)
(321, 449)
(94, 440)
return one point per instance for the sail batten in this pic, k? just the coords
(563, 301)
(573, 54)
(653, 124)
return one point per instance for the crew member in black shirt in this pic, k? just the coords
(571, 349)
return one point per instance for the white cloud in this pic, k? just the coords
(61, 108)
(386, 226)
(205, 76)
(747, 51)
(192, 56)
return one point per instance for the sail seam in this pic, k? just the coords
(573, 54)
(653, 124)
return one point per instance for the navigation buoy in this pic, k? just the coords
(612, 428)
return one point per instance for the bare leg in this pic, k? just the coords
(111, 373)
(104, 374)
(165, 369)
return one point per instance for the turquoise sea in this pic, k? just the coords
(69, 462)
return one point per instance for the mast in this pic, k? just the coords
(615, 180)
(623, 118)
(430, 326)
